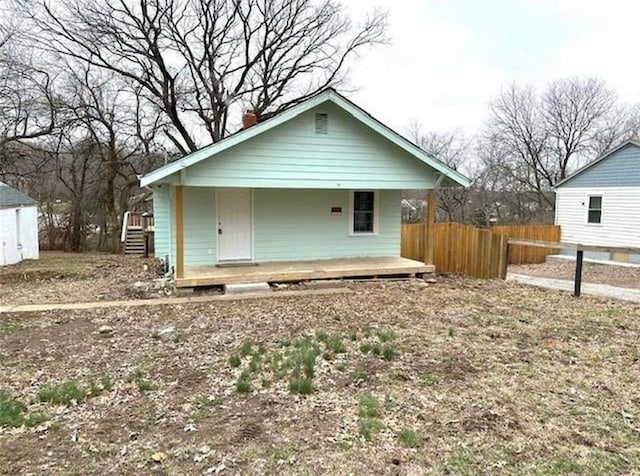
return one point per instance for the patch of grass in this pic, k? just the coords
(341, 367)
(14, 413)
(62, 394)
(11, 325)
(234, 360)
(368, 406)
(243, 384)
(336, 345)
(246, 348)
(388, 352)
(365, 347)
(409, 437)
(429, 379)
(385, 335)
(562, 465)
(142, 382)
(368, 427)
(359, 374)
(461, 463)
(104, 384)
(301, 386)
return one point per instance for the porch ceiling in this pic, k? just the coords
(301, 270)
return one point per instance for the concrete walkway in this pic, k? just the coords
(169, 300)
(626, 294)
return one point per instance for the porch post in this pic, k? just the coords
(179, 232)
(429, 220)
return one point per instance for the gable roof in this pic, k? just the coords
(608, 153)
(11, 198)
(327, 95)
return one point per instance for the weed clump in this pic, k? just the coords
(62, 394)
(13, 413)
(143, 383)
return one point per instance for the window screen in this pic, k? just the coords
(363, 212)
(595, 209)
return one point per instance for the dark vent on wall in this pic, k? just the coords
(322, 123)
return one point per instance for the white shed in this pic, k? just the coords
(18, 226)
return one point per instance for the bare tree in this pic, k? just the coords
(537, 140)
(455, 150)
(196, 59)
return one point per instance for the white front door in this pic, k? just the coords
(234, 224)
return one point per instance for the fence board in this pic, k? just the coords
(529, 254)
(458, 248)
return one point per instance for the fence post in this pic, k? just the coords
(578, 279)
(429, 220)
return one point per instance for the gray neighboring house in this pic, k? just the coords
(600, 203)
(18, 226)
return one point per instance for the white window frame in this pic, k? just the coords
(587, 206)
(376, 208)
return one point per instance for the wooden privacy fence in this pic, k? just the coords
(527, 254)
(459, 248)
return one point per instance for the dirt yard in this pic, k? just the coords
(459, 377)
(622, 276)
(75, 277)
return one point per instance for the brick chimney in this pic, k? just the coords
(249, 118)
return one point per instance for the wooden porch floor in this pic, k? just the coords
(301, 270)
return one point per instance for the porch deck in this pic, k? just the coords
(301, 270)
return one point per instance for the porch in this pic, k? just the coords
(210, 275)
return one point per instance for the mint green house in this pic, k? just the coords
(313, 192)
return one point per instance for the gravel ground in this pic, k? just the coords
(625, 277)
(482, 378)
(76, 277)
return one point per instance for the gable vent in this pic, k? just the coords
(322, 123)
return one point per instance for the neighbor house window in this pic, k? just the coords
(363, 212)
(594, 214)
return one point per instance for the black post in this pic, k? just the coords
(578, 279)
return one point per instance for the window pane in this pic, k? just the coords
(363, 212)
(595, 203)
(363, 201)
(363, 222)
(594, 216)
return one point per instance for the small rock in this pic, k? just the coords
(166, 330)
(431, 280)
(189, 427)
(105, 330)
(158, 456)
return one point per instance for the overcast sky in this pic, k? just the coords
(448, 58)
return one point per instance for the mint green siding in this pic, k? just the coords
(298, 225)
(293, 155)
(162, 225)
(288, 224)
(199, 226)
